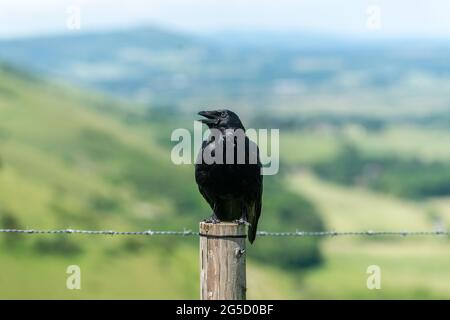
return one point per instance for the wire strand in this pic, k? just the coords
(186, 232)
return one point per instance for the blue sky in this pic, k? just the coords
(397, 17)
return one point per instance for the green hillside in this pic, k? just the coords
(411, 267)
(71, 159)
(83, 161)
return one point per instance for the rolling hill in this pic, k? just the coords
(84, 161)
(294, 74)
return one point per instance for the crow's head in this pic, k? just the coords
(221, 119)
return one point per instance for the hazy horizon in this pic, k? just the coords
(25, 18)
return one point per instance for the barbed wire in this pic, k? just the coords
(353, 233)
(186, 232)
(103, 232)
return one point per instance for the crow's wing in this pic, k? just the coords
(253, 208)
(253, 203)
(206, 197)
(201, 171)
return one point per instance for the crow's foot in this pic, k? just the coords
(212, 220)
(242, 221)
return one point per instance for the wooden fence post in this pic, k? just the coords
(222, 261)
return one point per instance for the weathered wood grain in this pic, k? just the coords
(222, 261)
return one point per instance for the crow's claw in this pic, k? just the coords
(212, 220)
(241, 221)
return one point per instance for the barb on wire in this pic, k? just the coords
(186, 232)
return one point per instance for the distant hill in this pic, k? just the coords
(302, 72)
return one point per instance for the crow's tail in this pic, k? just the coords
(251, 234)
(253, 217)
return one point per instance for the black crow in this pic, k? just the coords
(228, 171)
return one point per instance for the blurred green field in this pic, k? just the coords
(411, 267)
(309, 146)
(76, 160)
(149, 274)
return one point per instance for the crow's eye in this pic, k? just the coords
(223, 114)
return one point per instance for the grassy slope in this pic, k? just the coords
(411, 267)
(405, 141)
(144, 275)
(49, 139)
(43, 185)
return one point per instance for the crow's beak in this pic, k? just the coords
(211, 117)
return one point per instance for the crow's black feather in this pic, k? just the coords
(233, 190)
